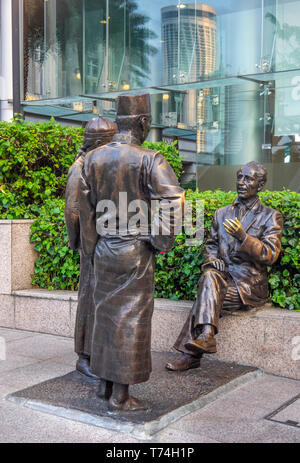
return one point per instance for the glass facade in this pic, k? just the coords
(224, 76)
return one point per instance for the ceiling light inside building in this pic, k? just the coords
(166, 96)
(126, 87)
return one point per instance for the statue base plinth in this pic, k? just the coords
(169, 395)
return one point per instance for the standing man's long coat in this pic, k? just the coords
(86, 308)
(123, 260)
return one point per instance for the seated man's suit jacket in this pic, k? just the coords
(247, 261)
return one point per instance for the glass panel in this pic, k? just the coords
(189, 42)
(95, 32)
(224, 76)
(53, 48)
(96, 46)
(287, 23)
(269, 34)
(287, 86)
(287, 114)
(129, 45)
(64, 48)
(33, 48)
(230, 124)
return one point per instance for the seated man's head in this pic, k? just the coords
(251, 179)
(98, 132)
(134, 115)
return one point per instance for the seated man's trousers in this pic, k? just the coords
(216, 291)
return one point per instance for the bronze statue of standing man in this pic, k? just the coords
(119, 181)
(98, 132)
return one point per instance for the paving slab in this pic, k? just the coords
(22, 425)
(67, 359)
(14, 362)
(268, 392)
(288, 413)
(169, 395)
(241, 416)
(41, 347)
(279, 433)
(12, 335)
(31, 374)
(172, 436)
(227, 429)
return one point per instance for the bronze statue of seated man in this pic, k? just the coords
(245, 239)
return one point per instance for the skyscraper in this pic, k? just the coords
(189, 38)
(189, 42)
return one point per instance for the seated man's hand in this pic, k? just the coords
(234, 228)
(219, 264)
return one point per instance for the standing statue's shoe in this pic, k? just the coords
(203, 344)
(185, 362)
(131, 404)
(83, 366)
(105, 389)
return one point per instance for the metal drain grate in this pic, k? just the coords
(288, 413)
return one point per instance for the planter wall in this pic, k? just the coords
(265, 339)
(17, 255)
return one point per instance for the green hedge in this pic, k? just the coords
(177, 272)
(57, 266)
(170, 152)
(34, 162)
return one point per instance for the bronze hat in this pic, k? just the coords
(99, 126)
(134, 104)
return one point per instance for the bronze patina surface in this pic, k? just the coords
(98, 132)
(169, 396)
(245, 239)
(124, 256)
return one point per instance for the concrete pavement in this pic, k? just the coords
(240, 416)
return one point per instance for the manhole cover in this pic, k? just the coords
(288, 413)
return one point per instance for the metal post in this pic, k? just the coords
(83, 47)
(107, 47)
(6, 87)
(16, 57)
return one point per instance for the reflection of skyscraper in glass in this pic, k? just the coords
(189, 42)
(189, 37)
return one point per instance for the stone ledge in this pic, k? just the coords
(279, 314)
(46, 294)
(262, 339)
(59, 295)
(17, 221)
(168, 304)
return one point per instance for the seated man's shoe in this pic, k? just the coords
(83, 366)
(204, 344)
(185, 362)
